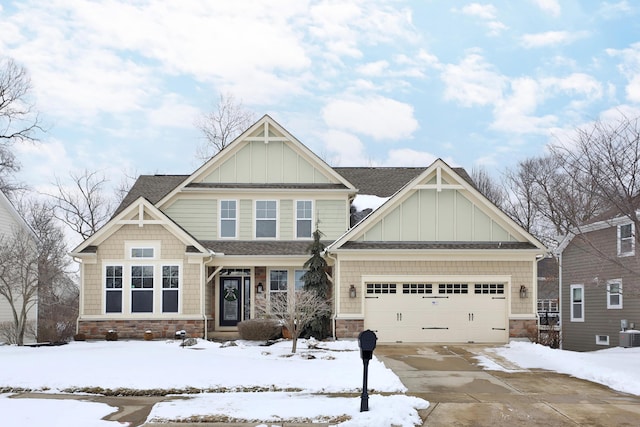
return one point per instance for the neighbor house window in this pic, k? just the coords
(626, 240)
(577, 303)
(299, 283)
(614, 294)
(142, 253)
(278, 284)
(602, 339)
(228, 219)
(142, 289)
(170, 287)
(266, 224)
(113, 285)
(304, 212)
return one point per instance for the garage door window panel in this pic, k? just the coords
(489, 288)
(381, 288)
(453, 288)
(417, 288)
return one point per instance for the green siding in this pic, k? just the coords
(332, 217)
(275, 166)
(482, 225)
(243, 166)
(464, 218)
(290, 168)
(428, 215)
(392, 225)
(245, 229)
(446, 216)
(258, 162)
(410, 219)
(286, 219)
(197, 216)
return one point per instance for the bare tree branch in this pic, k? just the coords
(219, 127)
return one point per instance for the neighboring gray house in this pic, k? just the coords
(600, 286)
(10, 219)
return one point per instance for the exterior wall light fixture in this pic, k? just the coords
(352, 291)
(524, 292)
(260, 288)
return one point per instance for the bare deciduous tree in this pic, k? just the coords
(83, 206)
(58, 293)
(294, 312)
(491, 189)
(19, 261)
(219, 127)
(18, 119)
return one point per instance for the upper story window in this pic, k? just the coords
(142, 253)
(266, 222)
(304, 213)
(577, 303)
(626, 240)
(228, 218)
(614, 293)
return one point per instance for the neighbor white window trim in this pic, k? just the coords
(609, 294)
(602, 342)
(572, 303)
(631, 239)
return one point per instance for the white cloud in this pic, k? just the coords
(376, 68)
(42, 161)
(552, 7)
(487, 13)
(551, 38)
(473, 82)
(630, 68)
(614, 10)
(345, 149)
(376, 116)
(173, 111)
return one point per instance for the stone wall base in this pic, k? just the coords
(522, 328)
(135, 329)
(349, 328)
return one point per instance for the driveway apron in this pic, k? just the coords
(461, 393)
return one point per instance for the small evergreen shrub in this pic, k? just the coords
(259, 329)
(111, 336)
(80, 337)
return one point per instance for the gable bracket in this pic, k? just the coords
(140, 221)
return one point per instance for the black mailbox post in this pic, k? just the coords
(367, 343)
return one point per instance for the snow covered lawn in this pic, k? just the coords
(245, 381)
(617, 367)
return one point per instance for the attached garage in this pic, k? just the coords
(437, 310)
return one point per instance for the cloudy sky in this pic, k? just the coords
(361, 82)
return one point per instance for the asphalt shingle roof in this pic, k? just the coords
(438, 245)
(152, 188)
(267, 248)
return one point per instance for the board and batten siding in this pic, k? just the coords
(260, 163)
(430, 215)
(581, 265)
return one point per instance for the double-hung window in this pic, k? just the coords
(299, 283)
(577, 303)
(113, 286)
(614, 293)
(304, 213)
(278, 286)
(170, 287)
(626, 240)
(142, 288)
(228, 219)
(266, 214)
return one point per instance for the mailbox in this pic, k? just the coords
(367, 343)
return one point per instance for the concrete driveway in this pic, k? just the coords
(463, 394)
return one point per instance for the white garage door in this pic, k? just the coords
(437, 312)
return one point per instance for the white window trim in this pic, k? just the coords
(632, 252)
(153, 289)
(602, 342)
(571, 288)
(296, 219)
(179, 288)
(105, 289)
(220, 219)
(609, 283)
(255, 219)
(142, 244)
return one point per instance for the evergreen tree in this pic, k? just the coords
(315, 280)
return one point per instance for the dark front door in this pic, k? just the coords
(230, 301)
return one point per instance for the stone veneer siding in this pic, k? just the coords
(135, 329)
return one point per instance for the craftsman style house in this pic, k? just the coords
(436, 262)
(600, 291)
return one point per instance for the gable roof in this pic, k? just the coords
(15, 215)
(346, 241)
(136, 213)
(151, 187)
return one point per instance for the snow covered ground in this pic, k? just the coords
(297, 384)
